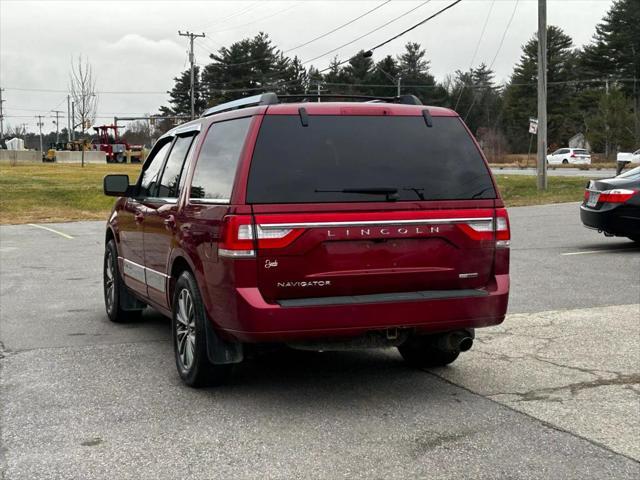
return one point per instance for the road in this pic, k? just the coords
(552, 393)
(557, 172)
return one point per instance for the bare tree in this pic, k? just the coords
(82, 85)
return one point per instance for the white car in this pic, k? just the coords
(577, 156)
(629, 157)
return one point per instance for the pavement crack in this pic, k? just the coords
(544, 394)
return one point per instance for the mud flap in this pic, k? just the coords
(221, 352)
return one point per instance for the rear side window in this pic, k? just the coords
(169, 185)
(296, 164)
(216, 167)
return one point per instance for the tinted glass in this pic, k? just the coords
(168, 187)
(579, 151)
(151, 174)
(297, 164)
(216, 167)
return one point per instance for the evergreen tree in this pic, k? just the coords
(520, 99)
(385, 72)
(612, 125)
(615, 52)
(414, 69)
(180, 95)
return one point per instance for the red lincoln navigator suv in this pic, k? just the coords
(322, 226)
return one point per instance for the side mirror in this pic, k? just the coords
(116, 185)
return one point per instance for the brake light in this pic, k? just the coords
(617, 195)
(573, 155)
(586, 195)
(239, 237)
(482, 229)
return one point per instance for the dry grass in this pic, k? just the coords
(58, 193)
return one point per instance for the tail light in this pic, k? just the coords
(617, 195)
(486, 229)
(240, 237)
(573, 155)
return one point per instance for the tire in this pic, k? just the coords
(565, 162)
(189, 337)
(420, 352)
(116, 294)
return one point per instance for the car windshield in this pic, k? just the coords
(631, 173)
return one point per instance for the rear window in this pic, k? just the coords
(296, 164)
(580, 152)
(216, 166)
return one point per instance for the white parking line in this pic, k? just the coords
(587, 252)
(51, 230)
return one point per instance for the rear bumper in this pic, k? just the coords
(621, 220)
(260, 321)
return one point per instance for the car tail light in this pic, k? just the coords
(240, 236)
(617, 195)
(573, 155)
(485, 230)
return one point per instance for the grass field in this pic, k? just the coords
(57, 193)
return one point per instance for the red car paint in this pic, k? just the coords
(336, 251)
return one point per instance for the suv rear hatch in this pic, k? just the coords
(370, 204)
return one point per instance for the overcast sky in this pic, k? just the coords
(134, 47)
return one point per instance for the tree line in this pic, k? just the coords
(591, 90)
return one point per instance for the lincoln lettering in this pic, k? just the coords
(367, 232)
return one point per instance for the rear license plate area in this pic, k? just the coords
(592, 201)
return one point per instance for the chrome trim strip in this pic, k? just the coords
(156, 280)
(365, 223)
(212, 201)
(148, 276)
(133, 270)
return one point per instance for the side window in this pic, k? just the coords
(151, 174)
(169, 184)
(564, 150)
(216, 167)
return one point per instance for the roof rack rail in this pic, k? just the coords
(271, 98)
(403, 99)
(268, 98)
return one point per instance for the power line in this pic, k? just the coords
(248, 62)
(229, 17)
(337, 28)
(504, 35)
(473, 57)
(367, 34)
(259, 19)
(442, 10)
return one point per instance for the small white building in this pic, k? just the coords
(579, 141)
(15, 144)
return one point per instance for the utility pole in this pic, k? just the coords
(69, 118)
(73, 119)
(57, 112)
(542, 94)
(192, 36)
(1, 115)
(399, 81)
(40, 124)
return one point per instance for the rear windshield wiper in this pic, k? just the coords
(390, 192)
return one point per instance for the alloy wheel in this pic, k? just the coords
(109, 282)
(185, 329)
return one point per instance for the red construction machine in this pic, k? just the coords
(117, 150)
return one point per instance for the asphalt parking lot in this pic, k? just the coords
(554, 392)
